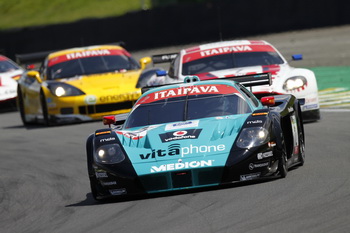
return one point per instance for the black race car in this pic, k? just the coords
(196, 134)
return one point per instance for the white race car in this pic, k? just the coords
(10, 72)
(243, 57)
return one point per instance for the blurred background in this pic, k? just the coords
(28, 26)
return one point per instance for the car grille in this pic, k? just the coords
(182, 179)
(100, 108)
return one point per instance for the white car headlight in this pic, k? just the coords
(251, 137)
(61, 89)
(295, 83)
(109, 154)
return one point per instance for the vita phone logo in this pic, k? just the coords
(175, 149)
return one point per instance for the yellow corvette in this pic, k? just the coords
(80, 84)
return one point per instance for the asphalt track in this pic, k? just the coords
(44, 185)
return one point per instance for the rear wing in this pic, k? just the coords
(246, 80)
(164, 58)
(31, 58)
(252, 79)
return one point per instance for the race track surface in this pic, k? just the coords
(44, 185)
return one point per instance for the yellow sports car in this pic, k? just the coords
(80, 84)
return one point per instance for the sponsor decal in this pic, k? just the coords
(86, 53)
(175, 149)
(226, 50)
(107, 139)
(90, 99)
(251, 176)
(254, 122)
(109, 183)
(311, 106)
(200, 89)
(101, 174)
(188, 90)
(137, 134)
(310, 100)
(52, 105)
(103, 132)
(120, 98)
(257, 165)
(117, 192)
(296, 150)
(295, 130)
(265, 155)
(179, 166)
(181, 125)
(231, 49)
(180, 135)
(273, 69)
(167, 57)
(223, 117)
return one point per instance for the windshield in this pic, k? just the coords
(6, 66)
(229, 61)
(187, 108)
(91, 65)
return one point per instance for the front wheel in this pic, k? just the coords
(44, 109)
(20, 105)
(282, 166)
(93, 186)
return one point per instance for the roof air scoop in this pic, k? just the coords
(191, 79)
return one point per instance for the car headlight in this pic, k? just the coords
(294, 83)
(109, 154)
(64, 89)
(251, 137)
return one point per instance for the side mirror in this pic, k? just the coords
(268, 101)
(297, 57)
(35, 75)
(145, 61)
(109, 120)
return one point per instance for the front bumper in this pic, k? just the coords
(111, 183)
(86, 108)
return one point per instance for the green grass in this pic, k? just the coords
(24, 13)
(332, 76)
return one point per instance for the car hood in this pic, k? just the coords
(104, 82)
(275, 70)
(279, 75)
(177, 145)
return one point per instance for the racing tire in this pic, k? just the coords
(20, 105)
(96, 191)
(93, 186)
(282, 166)
(44, 109)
